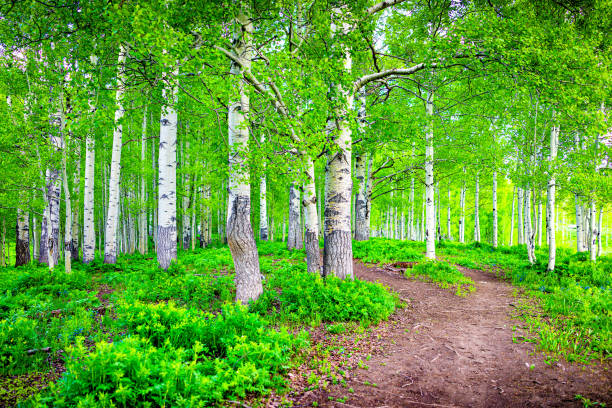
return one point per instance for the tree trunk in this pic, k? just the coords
(430, 222)
(462, 214)
(476, 210)
(166, 224)
(362, 232)
(311, 220)
(294, 240)
(239, 230)
(142, 215)
(89, 232)
(263, 203)
(529, 234)
(512, 219)
(599, 231)
(551, 225)
(68, 224)
(579, 244)
(539, 219)
(22, 234)
(112, 220)
(186, 202)
(593, 234)
(521, 219)
(411, 230)
(495, 221)
(448, 216)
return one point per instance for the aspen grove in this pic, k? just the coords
(226, 143)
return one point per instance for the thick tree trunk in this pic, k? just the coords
(166, 227)
(112, 218)
(294, 239)
(551, 225)
(22, 234)
(311, 221)
(495, 221)
(239, 230)
(89, 232)
(362, 232)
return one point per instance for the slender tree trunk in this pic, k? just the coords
(448, 216)
(476, 210)
(89, 231)
(68, 224)
(142, 215)
(311, 220)
(112, 220)
(186, 202)
(362, 232)
(35, 238)
(593, 234)
(495, 221)
(3, 256)
(512, 219)
(462, 214)
(430, 222)
(579, 245)
(599, 231)
(263, 203)
(529, 234)
(551, 225)
(294, 240)
(411, 216)
(239, 230)
(167, 227)
(22, 234)
(539, 219)
(521, 219)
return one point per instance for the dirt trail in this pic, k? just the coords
(444, 350)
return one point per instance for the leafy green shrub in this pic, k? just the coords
(17, 336)
(445, 275)
(382, 250)
(298, 296)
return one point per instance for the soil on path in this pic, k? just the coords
(443, 350)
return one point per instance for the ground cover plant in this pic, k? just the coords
(169, 337)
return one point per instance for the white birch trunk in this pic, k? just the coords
(186, 217)
(495, 221)
(239, 230)
(593, 234)
(462, 212)
(76, 186)
(513, 213)
(579, 234)
(529, 234)
(89, 232)
(166, 222)
(263, 202)
(294, 239)
(68, 212)
(361, 229)
(142, 215)
(112, 218)
(22, 234)
(521, 219)
(599, 231)
(551, 225)
(448, 217)
(311, 220)
(411, 231)
(476, 209)
(430, 222)
(539, 219)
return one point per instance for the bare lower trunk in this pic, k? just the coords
(512, 219)
(263, 202)
(476, 210)
(362, 232)
(449, 233)
(521, 219)
(411, 230)
(462, 214)
(294, 240)
(495, 222)
(142, 215)
(166, 224)
(593, 233)
(599, 231)
(539, 219)
(311, 221)
(430, 222)
(529, 233)
(239, 230)
(112, 218)
(551, 224)
(579, 245)
(22, 234)
(89, 231)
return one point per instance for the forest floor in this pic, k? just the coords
(443, 350)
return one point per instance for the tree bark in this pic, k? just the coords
(529, 234)
(430, 222)
(22, 234)
(593, 234)
(362, 232)
(462, 214)
(239, 230)
(112, 218)
(512, 219)
(263, 202)
(166, 224)
(521, 219)
(476, 210)
(495, 221)
(579, 234)
(448, 216)
(142, 215)
(311, 220)
(551, 225)
(294, 239)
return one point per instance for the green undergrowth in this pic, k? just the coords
(382, 250)
(445, 275)
(131, 334)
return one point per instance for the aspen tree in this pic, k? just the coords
(551, 216)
